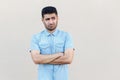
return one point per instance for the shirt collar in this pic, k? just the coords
(54, 33)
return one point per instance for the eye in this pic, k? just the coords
(53, 18)
(47, 19)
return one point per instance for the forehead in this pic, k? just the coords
(50, 15)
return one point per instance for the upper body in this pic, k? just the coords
(51, 47)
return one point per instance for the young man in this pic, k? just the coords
(51, 49)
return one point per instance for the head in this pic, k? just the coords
(50, 18)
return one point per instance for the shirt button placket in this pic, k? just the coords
(52, 43)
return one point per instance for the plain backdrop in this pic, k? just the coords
(93, 24)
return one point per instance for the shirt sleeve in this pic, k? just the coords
(34, 45)
(68, 42)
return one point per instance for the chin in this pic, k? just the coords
(51, 29)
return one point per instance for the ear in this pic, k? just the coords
(57, 17)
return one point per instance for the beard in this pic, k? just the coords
(50, 28)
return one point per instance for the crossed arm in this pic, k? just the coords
(57, 58)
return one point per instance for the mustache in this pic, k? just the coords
(51, 24)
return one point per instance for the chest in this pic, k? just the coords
(51, 44)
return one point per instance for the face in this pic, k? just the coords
(50, 21)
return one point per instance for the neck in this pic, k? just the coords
(51, 31)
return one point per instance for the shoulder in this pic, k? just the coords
(64, 35)
(63, 32)
(37, 35)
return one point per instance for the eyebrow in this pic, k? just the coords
(53, 17)
(49, 18)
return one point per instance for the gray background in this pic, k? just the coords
(94, 25)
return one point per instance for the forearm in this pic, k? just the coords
(44, 59)
(61, 60)
(65, 59)
(57, 58)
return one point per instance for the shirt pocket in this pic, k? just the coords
(44, 48)
(59, 47)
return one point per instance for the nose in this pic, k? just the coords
(51, 21)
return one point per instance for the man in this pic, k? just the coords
(51, 49)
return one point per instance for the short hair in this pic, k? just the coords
(49, 10)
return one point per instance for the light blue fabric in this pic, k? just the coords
(53, 43)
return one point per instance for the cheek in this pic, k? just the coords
(46, 23)
(55, 21)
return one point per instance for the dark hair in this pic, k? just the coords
(49, 10)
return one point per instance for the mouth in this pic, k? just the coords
(51, 26)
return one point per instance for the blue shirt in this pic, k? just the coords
(48, 43)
